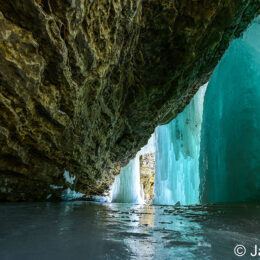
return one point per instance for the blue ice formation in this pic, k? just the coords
(177, 156)
(127, 188)
(230, 145)
(69, 178)
(69, 194)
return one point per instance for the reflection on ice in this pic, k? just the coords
(80, 230)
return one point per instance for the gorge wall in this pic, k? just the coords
(84, 83)
(147, 172)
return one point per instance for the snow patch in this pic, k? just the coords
(68, 178)
(48, 196)
(62, 112)
(99, 199)
(69, 194)
(55, 187)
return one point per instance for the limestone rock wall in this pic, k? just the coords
(84, 83)
(147, 172)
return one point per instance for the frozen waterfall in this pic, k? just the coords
(127, 188)
(177, 148)
(177, 156)
(230, 145)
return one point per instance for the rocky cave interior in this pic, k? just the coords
(136, 102)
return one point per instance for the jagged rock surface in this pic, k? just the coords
(84, 83)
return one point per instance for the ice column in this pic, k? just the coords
(126, 188)
(177, 156)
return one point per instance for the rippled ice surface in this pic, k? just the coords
(80, 230)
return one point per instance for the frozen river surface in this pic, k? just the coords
(81, 230)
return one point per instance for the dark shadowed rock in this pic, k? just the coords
(84, 83)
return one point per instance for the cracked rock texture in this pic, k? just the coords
(84, 83)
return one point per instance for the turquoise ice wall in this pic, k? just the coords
(230, 145)
(177, 156)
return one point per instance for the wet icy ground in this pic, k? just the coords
(80, 230)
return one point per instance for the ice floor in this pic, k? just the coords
(80, 230)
